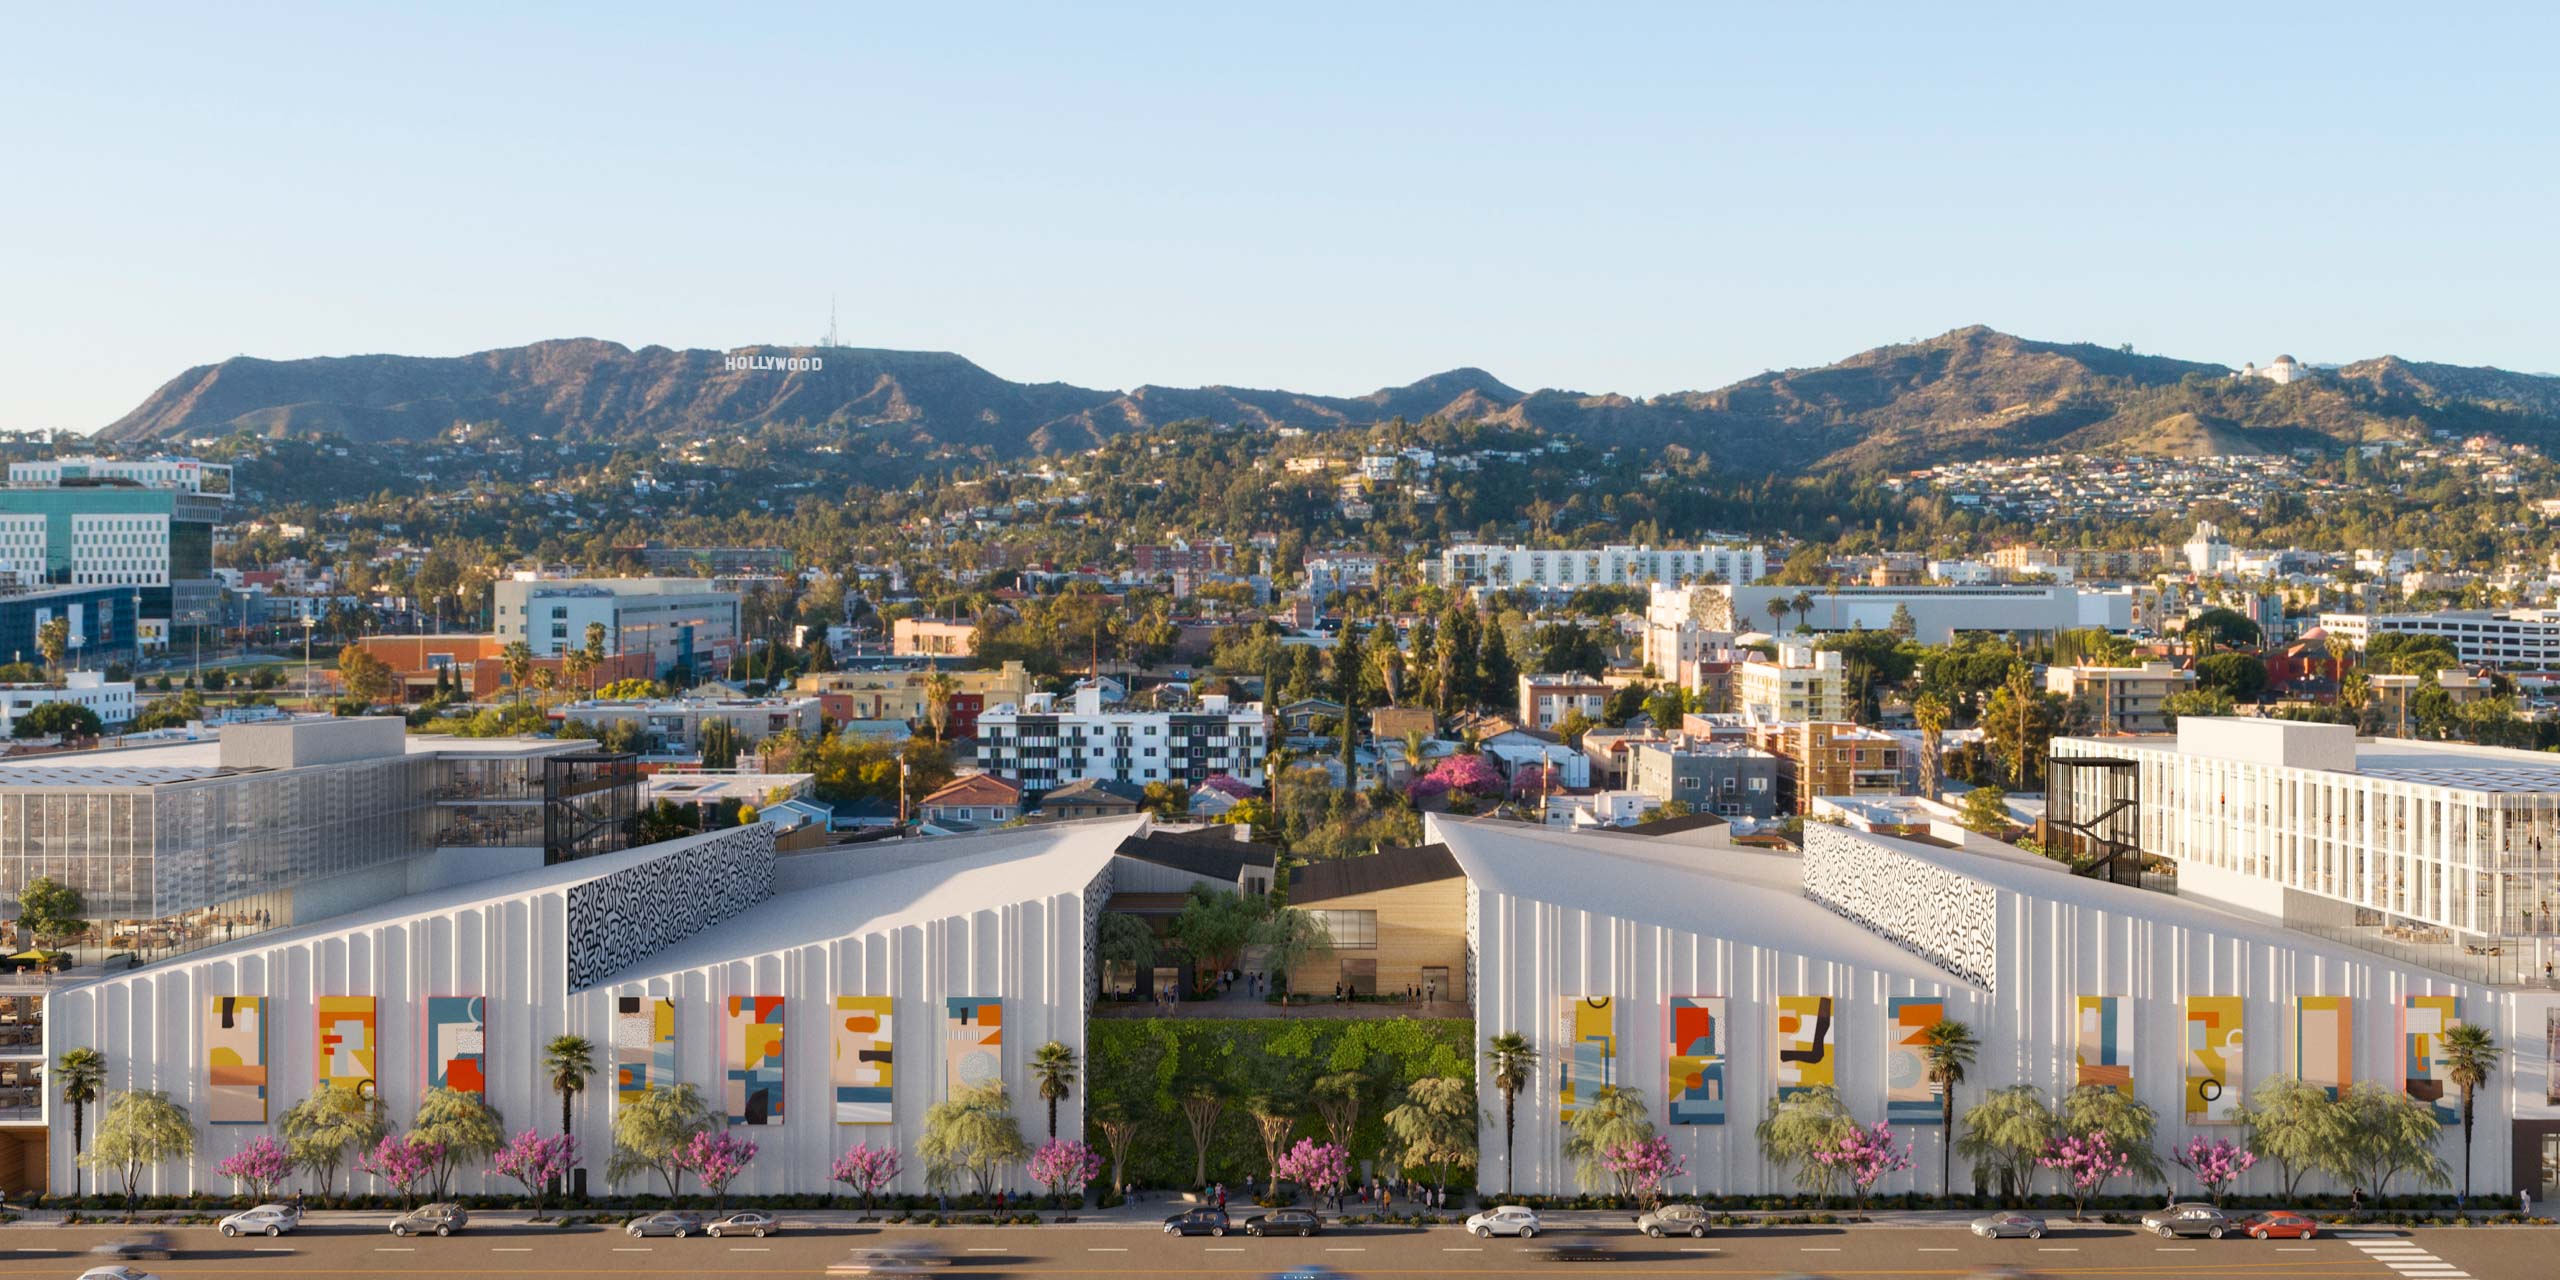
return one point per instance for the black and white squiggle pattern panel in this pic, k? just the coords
(618, 920)
(1947, 919)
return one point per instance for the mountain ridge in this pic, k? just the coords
(1970, 392)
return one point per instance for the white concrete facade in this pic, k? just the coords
(2008, 941)
(1005, 916)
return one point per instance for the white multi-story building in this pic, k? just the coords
(679, 622)
(1673, 636)
(2446, 850)
(676, 724)
(1040, 745)
(1937, 613)
(1803, 684)
(110, 700)
(2481, 637)
(1476, 564)
(2122, 699)
(212, 479)
(2206, 551)
(1330, 576)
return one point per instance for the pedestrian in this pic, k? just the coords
(1387, 1200)
(1248, 1186)
(1222, 1195)
(2524, 1202)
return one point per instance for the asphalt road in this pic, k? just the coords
(982, 1253)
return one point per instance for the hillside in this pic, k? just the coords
(1970, 393)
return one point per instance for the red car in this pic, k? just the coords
(2280, 1224)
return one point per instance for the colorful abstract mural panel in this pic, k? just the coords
(1591, 1050)
(972, 1043)
(2423, 1022)
(861, 1069)
(644, 1044)
(753, 1088)
(1909, 1096)
(2101, 1043)
(2323, 1043)
(1697, 1060)
(1804, 1044)
(457, 1043)
(235, 1057)
(2214, 1058)
(346, 1056)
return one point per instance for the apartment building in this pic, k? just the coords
(2121, 699)
(1553, 571)
(1043, 745)
(1724, 778)
(678, 622)
(932, 638)
(1802, 683)
(675, 726)
(1546, 699)
(2528, 638)
(1830, 758)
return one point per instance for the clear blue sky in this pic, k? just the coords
(1315, 197)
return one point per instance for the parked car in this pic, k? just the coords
(116, 1273)
(1284, 1222)
(442, 1218)
(670, 1223)
(265, 1220)
(747, 1223)
(1505, 1220)
(1576, 1249)
(2280, 1224)
(2191, 1219)
(2003, 1225)
(144, 1244)
(1674, 1220)
(1197, 1222)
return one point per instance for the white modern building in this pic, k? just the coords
(680, 622)
(1713, 979)
(1545, 569)
(2528, 638)
(676, 725)
(1938, 614)
(1546, 698)
(1802, 684)
(2442, 851)
(1039, 744)
(110, 700)
(815, 1000)
(210, 478)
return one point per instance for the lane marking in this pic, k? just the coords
(1453, 1249)
(1099, 1249)
(2295, 1248)
(985, 1248)
(1813, 1249)
(2175, 1249)
(1212, 1250)
(749, 1248)
(1345, 1250)
(392, 1248)
(506, 1248)
(271, 1248)
(1930, 1250)
(2051, 1249)
(1698, 1248)
(628, 1249)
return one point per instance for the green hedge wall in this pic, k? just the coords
(1145, 1065)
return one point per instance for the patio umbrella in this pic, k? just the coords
(39, 957)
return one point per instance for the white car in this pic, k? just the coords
(116, 1273)
(265, 1220)
(1505, 1220)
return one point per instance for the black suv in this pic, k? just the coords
(1197, 1222)
(1284, 1222)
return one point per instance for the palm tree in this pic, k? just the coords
(570, 1061)
(1514, 1061)
(517, 657)
(1932, 713)
(2470, 1058)
(1777, 614)
(1053, 1071)
(938, 690)
(1948, 1047)
(1802, 603)
(83, 1073)
(595, 654)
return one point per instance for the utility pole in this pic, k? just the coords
(308, 624)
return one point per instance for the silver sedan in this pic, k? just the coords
(2001, 1225)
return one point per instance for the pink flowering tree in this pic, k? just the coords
(403, 1162)
(259, 1168)
(2087, 1161)
(2216, 1164)
(1463, 774)
(536, 1159)
(1643, 1167)
(1865, 1156)
(717, 1157)
(1064, 1165)
(1323, 1168)
(868, 1170)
